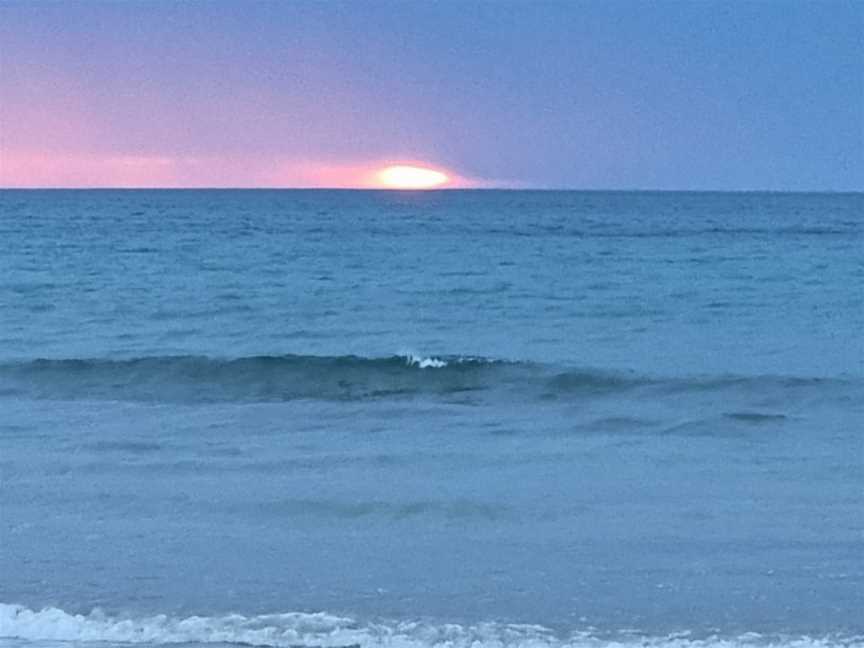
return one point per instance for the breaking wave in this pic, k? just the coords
(322, 630)
(193, 379)
(256, 378)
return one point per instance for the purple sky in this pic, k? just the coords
(571, 94)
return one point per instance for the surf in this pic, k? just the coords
(325, 630)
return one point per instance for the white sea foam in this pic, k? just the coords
(413, 360)
(297, 629)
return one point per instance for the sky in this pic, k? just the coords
(530, 94)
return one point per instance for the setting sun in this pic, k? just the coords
(410, 177)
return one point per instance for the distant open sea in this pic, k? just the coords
(458, 419)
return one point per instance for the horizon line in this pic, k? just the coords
(439, 189)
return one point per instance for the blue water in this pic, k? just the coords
(467, 419)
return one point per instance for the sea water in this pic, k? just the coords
(467, 419)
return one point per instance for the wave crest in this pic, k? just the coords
(255, 378)
(195, 379)
(323, 630)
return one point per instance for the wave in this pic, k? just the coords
(288, 377)
(733, 231)
(256, 378)
(323, 630)
(195, 379)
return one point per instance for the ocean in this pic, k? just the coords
(455, 419)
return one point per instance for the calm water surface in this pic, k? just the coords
(471, 419)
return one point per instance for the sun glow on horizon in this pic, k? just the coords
(403, 176)
(131, 169)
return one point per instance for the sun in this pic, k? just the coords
(402, 176)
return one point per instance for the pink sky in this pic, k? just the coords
(59, 169)
(319, 94)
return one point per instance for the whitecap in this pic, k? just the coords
(323, 630)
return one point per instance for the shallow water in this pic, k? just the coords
(333, 418)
